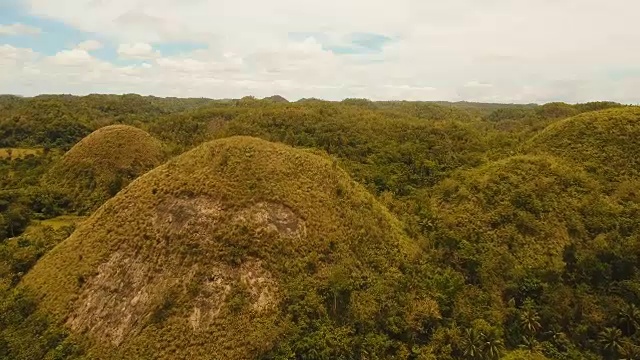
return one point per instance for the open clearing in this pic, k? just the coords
(19, 153)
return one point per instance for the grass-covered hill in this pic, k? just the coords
(519, 213)
(606, 143)
(104, 162)
(276, 98)
(236, 249)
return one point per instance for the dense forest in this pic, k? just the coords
(432, 230)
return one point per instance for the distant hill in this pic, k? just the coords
(482, 108)
(377, 149)
(606, 143)
(60, 121)
(276, 99)
(237, 248)
(104, 162)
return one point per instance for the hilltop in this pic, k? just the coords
(104, 162)
(237, 248)
(276, 99)
(606, 143)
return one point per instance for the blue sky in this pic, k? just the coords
(56, 36)
(416, 50)
(349, 44)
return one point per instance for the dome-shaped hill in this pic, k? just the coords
(513, 215)
(276, 99)
(102, 163)
(606, 143)
(556, 110)
(226, 251)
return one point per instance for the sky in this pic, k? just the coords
(519, 51)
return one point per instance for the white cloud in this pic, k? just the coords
(138, 51)
(8, 52)
(74, 57)
(12, 57)
(477, 84)
(527, 50)
(90, 45)
(19, 29)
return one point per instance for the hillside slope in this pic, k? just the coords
(237, 248)
(543, 241)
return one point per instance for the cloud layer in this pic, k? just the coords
(18, 29)
(495, 50)
(138, 51)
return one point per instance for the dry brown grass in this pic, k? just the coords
(202, 253)
(19, 153)
(102, 163)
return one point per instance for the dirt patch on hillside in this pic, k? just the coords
(118, 298)
(177, 215)
(122, 297)
(217, 290)
(129, 288)
(273, 217)
(192, 216)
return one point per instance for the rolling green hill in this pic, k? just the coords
(101, 164)
(606, 143)
(237, 248)
(519, 213)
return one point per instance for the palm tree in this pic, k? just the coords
(529, 342)
(530, 321)
(556, 337)
(629, 319)
(472, 345)
(611, 341)
(629, 352)
(493, 346)
(480, 346)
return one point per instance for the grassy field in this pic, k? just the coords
(19, 153)
(61, 221)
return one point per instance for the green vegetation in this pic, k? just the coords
(62, 221)
(515, 213)
(476, 231)
(26, 332)
(377, 150)
(236, 245)
(605, 143)
(536, 235)
(104, 162)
